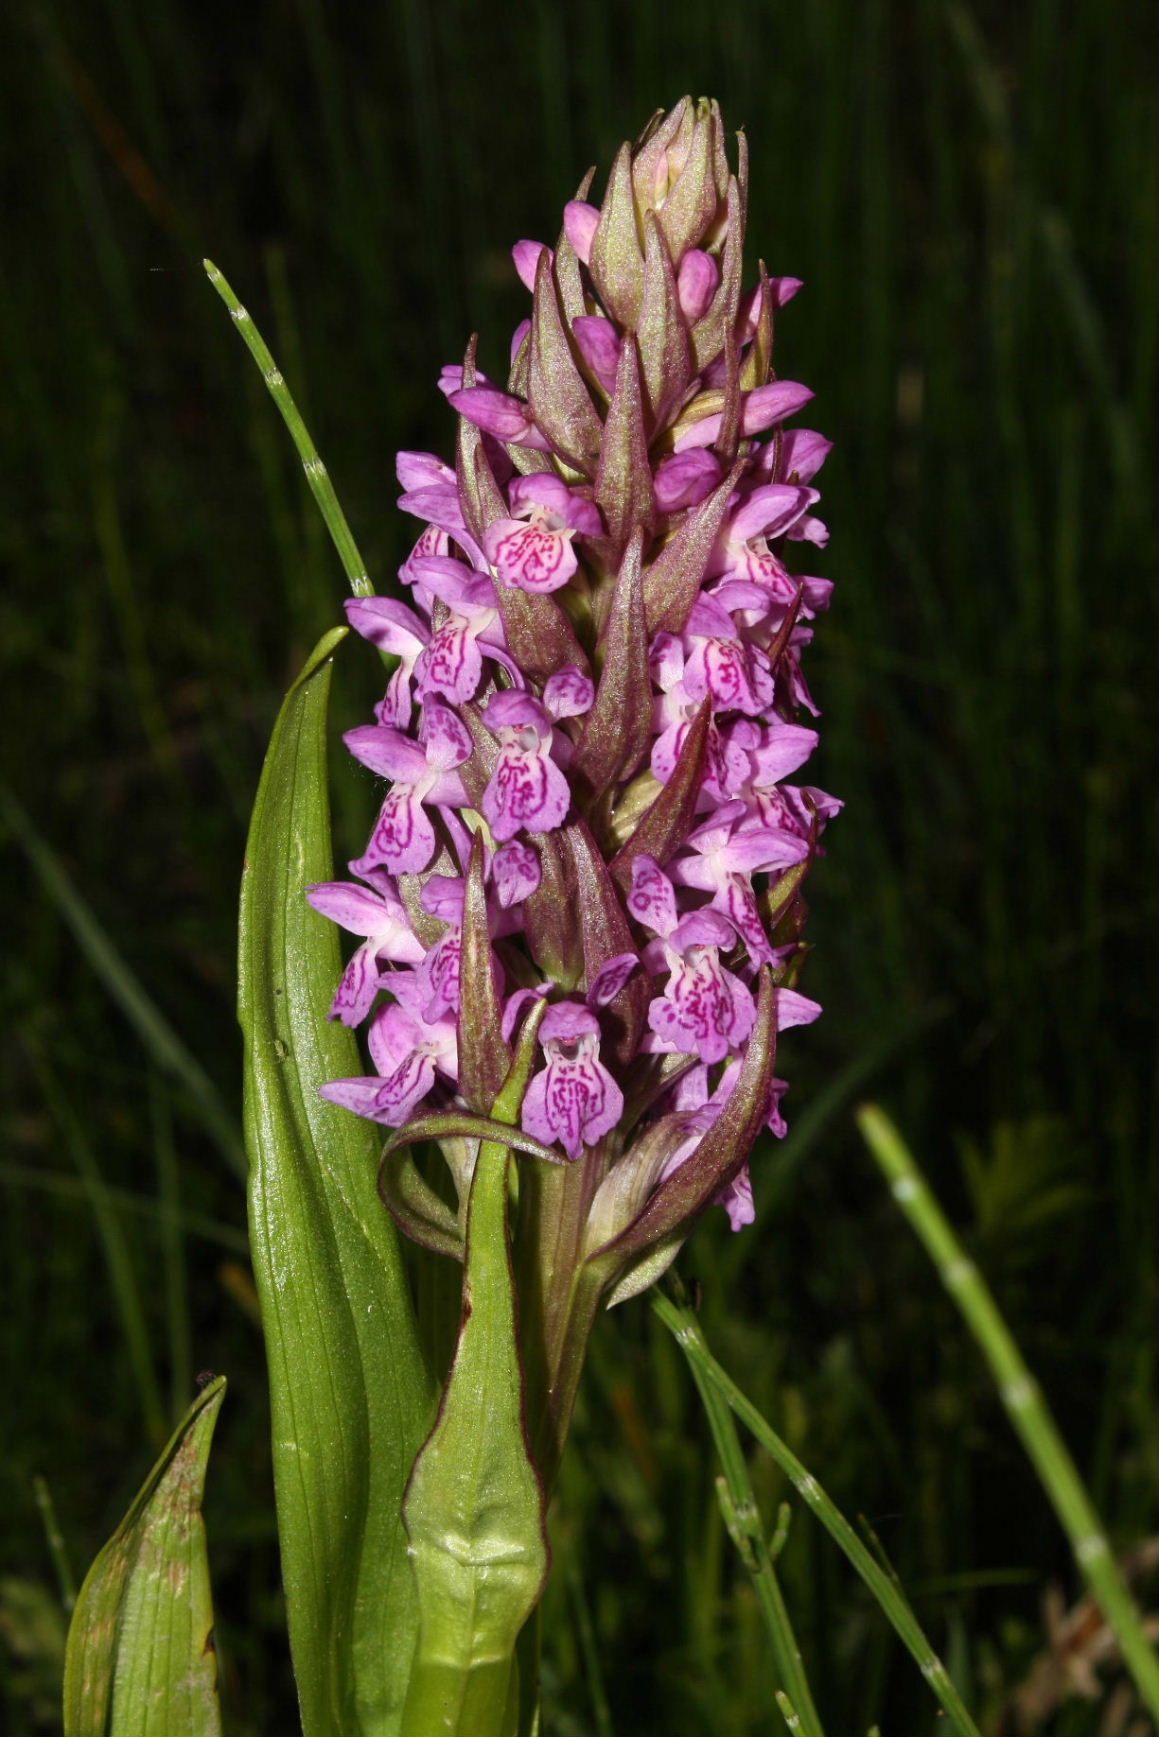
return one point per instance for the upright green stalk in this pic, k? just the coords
(316, 473)
(683, 1324)
(1025, 1406)
(742, 1517)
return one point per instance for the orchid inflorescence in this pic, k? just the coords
(591, 718)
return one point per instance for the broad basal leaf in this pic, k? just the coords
(350, 1395)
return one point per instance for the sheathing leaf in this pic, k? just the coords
(475, 1510)
(351, 1398)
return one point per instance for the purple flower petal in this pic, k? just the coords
(512, 709)
(803, 452)
(403, 839)
(452, 664)
(685, 478)
(542, 488)
(611, 978)
(575, 1100)
(567, 1020)
(579, 225)
(705, 1011)
(769, 511)
(795, 1009)
(500, 414)
(568, 693)
(696, 283)
(652, 899)
(737, 1199)
(599, 343)
(417, 470)
(387, 752)
(356, 992)
(526, 256)
(529, 557)
(516, 873)
(445, 739)
(526, 790)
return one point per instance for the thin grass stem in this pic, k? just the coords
(172, 1234)
(742, 1518)
(122, 1274)
(589, 1650)
(316, 473)
(683, 1324)
(74, 1188)
(54, 1538)
(125, 988)
(1020, 1395)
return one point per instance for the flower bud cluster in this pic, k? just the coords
(589, 729)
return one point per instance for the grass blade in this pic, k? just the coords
(350, 1394)
(1020, 1395)
(125, 987)
(742, 1518)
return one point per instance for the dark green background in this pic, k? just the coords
(970, 196)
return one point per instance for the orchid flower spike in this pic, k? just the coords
(590, 717)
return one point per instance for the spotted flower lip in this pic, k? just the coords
(593, 714)
(575, 1100)
(532, 550)
(528, 790)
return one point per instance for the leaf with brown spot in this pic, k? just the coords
(140, 1659)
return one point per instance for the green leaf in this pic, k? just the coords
(475, 1506)
(350, 1394)
(140, 1659)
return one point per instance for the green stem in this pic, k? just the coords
(1025, 1406)
(559, 1300)
(742, 1517)
(682, 1323)
(316, 473)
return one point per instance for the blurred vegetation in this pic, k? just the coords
(970, 195)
